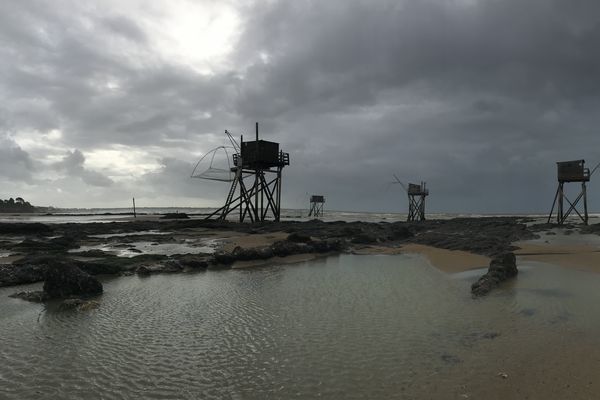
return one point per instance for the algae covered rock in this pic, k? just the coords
(502, 267)
(66, 280)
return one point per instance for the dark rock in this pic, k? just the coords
(170, 266)
(193, 262)
(504, 266)
(143, 270)
(283, 248)
(215, 266)
(93, 253)
(260, 253)
(108, 265)
(175, 216)
(298, 238)
(364, 238)
(25, 228)
(59, 244)
(19, 274)
(66, 242)
(351, 231)
(35, 297)
(223, 258)
(501, 268)
(326, 246)
(65, 280)
(400, 232)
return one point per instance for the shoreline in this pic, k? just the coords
(167, 246)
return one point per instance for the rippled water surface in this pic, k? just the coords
(347, 327)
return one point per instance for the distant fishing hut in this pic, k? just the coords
(316, 206)
(570, 171)
(416, 201)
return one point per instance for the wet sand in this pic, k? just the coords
(450, 261)
(231, 240)
(582, 257)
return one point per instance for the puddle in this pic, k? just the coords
(145, 247)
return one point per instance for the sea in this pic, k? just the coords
(74, 215)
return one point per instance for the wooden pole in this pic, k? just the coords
(553, 204)
(559, 216)
(134, 213)
(241, 178)
(256, 181)
(585, 210)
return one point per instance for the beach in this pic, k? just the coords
(124, 245)
(247, 306)
(153, 245)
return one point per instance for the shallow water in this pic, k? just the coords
(347, 327)
(188, 246)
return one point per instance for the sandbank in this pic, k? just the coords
(583, 257)
(450, 261)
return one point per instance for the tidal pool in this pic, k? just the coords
(344, 327)
(187, 246)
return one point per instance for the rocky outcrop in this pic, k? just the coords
(281, 248)
(501, 268)
(486, 236)
(38, 250)
(13, 274)
(298, 237)
(62, 281)
(175, 216)
(21, 228)
(36, 296)
(67, 280)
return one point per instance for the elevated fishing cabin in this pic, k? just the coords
(416, 201)
(316, 206)
(255, 191)
(570, 172)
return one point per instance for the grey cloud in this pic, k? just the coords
(173, 178)
(125, 27)
(72, 164)
(15, 163)
(479, 98)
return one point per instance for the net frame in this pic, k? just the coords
(214, 173)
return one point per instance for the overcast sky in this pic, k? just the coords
(101, 101)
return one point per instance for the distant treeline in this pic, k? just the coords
(17, 205)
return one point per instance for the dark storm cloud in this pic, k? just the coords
(479, 98)
(349, 52)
